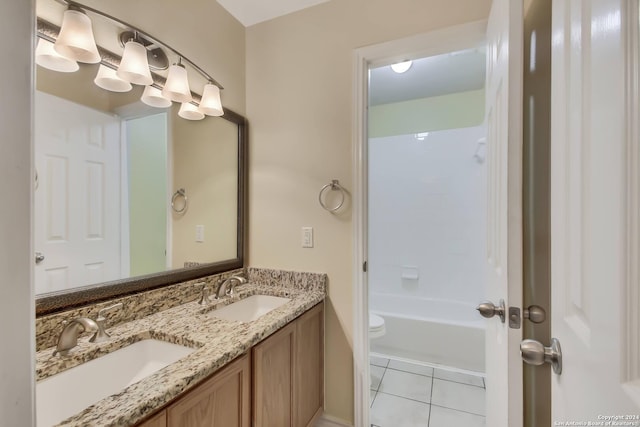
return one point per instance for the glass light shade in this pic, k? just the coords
(134, 66)
(48, 58)
(401, 67)
(190, 112)
(210, 103)
(75, 40)
(153, 97)
(107, 79)
(176, 87)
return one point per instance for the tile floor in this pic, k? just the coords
(410, 395)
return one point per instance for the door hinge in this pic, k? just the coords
(364, 266)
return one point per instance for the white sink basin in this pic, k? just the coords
(250, 308)
(69, 392)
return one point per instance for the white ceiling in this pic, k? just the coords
(431, 76)
(250, 12)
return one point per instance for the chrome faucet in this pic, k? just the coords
(227, 286)
(69, 336)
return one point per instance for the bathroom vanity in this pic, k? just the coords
(262, 372)
(286, 370)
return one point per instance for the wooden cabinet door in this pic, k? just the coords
(309, 373)
(273, 376)
(158, 420)
(222, 401)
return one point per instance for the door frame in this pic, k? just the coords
(435, 42)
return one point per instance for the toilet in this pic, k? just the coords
(376, 326)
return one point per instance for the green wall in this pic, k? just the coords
(458, 110)
(147, 166)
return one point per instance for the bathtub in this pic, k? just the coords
(427, 330)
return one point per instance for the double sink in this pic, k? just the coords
(69, 392)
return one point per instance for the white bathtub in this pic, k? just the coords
(429, 330)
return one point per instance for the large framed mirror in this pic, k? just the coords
(129, 197)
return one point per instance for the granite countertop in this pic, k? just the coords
(217, 343)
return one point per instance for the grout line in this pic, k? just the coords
(414, 373)
(459, 410)
(405, 398)
(458, 382)
(430, 404)
(373, 400)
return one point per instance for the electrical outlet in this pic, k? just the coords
(307, 237)
(200, 233)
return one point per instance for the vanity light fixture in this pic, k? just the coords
(152, 96)
(108, 79)
(75, 40)
(134, 66)
(176, 88)
(210, 103)
(142, 54)
(190, 112)
(401, 67)
(47, 57)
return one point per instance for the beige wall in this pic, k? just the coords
(205, 164)
(299, 105)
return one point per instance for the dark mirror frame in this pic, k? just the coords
(62, 300)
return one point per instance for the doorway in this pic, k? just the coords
(145, 215)
(402, 156)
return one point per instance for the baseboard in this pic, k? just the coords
(329, 421)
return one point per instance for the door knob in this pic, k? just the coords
(488, 309)
(39, 257)
(534, 353)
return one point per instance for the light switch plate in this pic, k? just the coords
(200, 233)
(307, 237)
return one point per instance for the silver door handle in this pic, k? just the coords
(534, 353)
(39, 257)
(488, 309)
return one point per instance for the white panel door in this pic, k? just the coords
(595, 189)
(504, 203)
(77, 199)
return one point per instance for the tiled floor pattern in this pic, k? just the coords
(410, 395)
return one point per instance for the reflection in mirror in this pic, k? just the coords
(126, 192)
(106, 180)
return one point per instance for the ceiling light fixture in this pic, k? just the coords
(108, 79)
(47, 57)
(176, 88)
(75, 40)
(401, 67)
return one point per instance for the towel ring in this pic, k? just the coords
(180, 193)
(334, 185)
